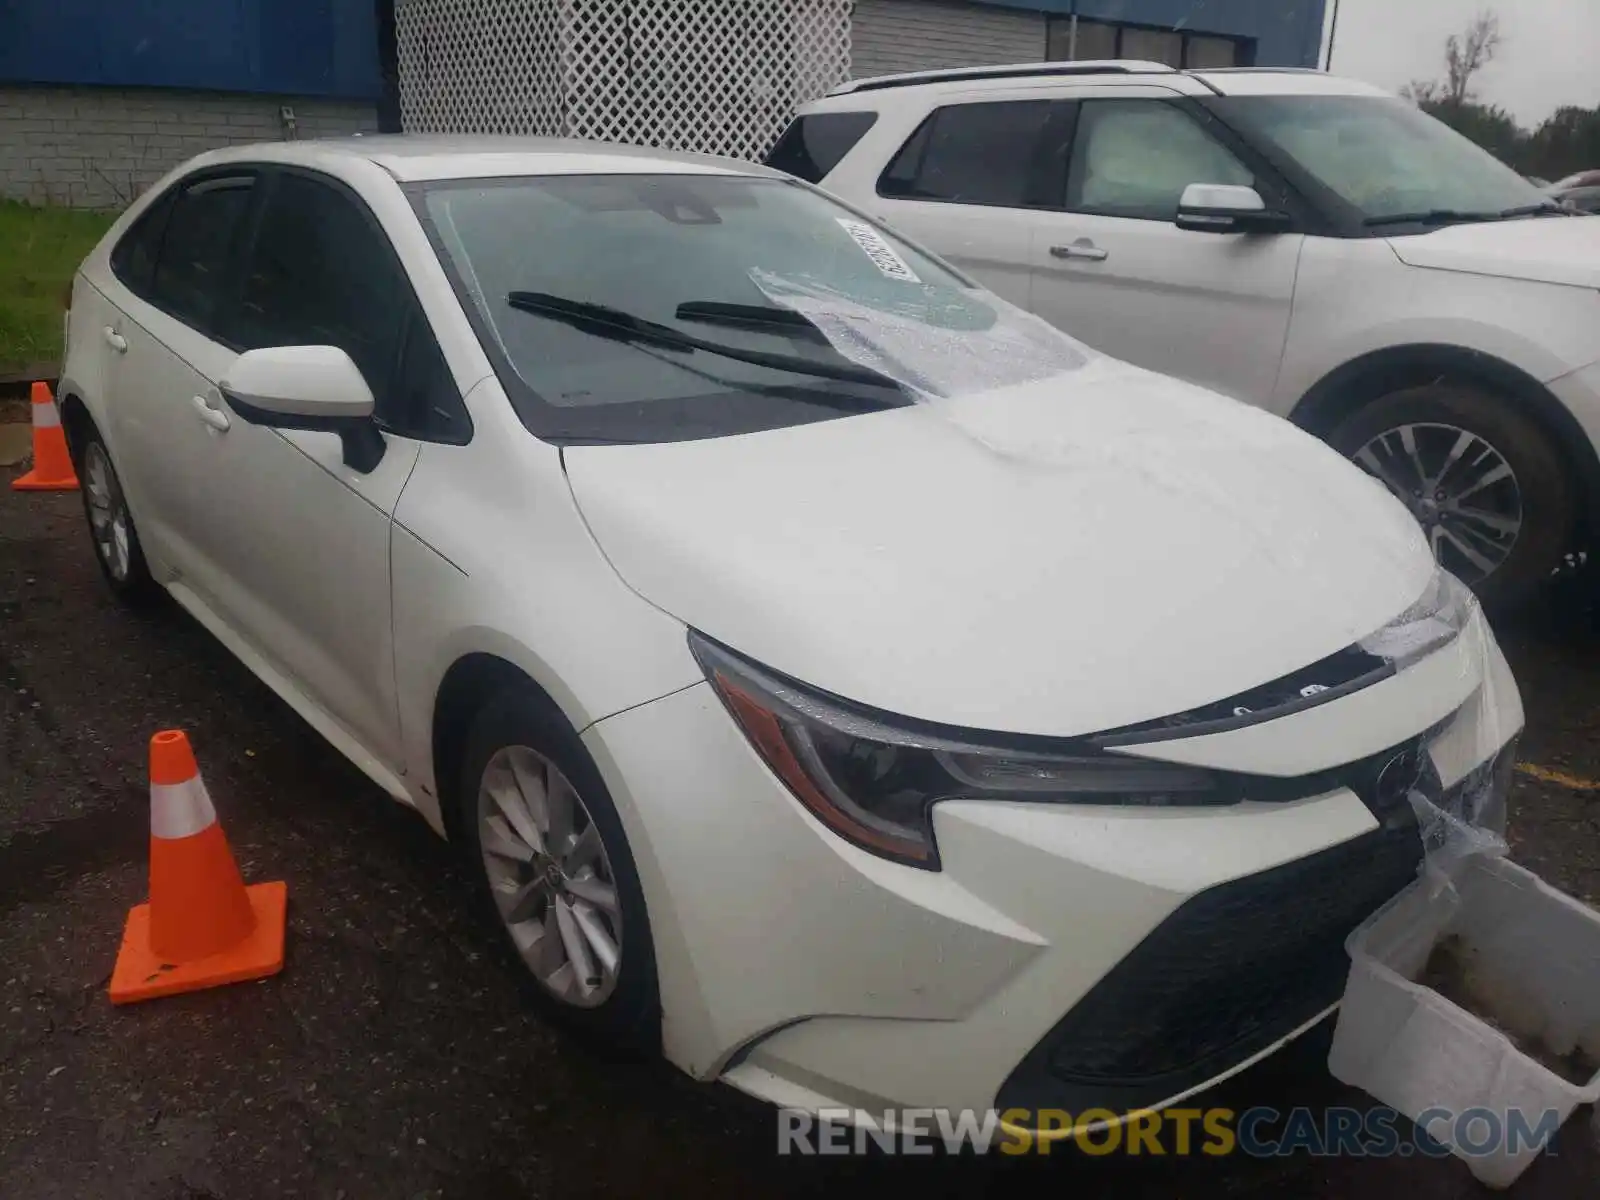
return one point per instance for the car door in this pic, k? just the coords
(1113, 269)
(170, 276)
(963, 184)
(291, 549)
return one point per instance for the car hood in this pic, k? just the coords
(1563, 250)
(1099, 548)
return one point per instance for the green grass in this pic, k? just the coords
(40, 248)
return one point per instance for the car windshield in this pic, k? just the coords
(1386, 158)
(656, 307)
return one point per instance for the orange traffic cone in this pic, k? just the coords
(202, 926)
(52, 465)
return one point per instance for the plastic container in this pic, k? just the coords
(1502, 943)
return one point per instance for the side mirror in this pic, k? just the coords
(1226, 208)
(316, 388)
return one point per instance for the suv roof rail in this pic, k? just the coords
(1255, 71)
(1109, 66)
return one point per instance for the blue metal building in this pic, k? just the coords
(909, 35)
(100, 97)
(1278, 33)
(279, 47)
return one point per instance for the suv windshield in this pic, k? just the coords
(633, 308)
(1385, 158)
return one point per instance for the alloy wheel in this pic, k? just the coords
(550, 877)
(1461, 490)
(108, 513)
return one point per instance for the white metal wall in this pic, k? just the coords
(715, 76)
(890, 36)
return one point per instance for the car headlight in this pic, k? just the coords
(1435, 619)
(875, 783)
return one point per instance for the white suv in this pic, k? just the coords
(1311, 245)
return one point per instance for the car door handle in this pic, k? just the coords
(213, 417)
(115, 340)
(1082, 249)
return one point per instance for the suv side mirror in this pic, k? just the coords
(315, 388)
(1226, 208)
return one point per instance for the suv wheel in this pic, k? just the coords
(1486, 483)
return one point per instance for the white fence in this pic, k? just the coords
(714, 76)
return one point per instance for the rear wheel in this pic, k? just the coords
(554, 870)
(1486, 483)
(111, 529)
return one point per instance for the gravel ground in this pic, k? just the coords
(394, 1056)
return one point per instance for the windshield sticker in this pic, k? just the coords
(879, 251)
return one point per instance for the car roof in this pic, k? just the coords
(418, 157)
(1232, 81)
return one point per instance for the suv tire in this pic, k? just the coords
(1501, 492)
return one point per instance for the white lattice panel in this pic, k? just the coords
(714, 76)
(480, 66)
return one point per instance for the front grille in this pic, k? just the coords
(1233, 970)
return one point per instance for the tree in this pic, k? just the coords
(1566, 143)
(1491, 126)
(1465, 55)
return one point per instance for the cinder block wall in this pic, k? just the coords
(101, 147)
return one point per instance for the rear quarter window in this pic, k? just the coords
(815, 144)
(133, 258)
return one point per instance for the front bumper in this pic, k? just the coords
(1065, 956)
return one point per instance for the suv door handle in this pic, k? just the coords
(213, 417)
(1083, 249)
(115, 340)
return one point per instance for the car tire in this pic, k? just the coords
(1538, 494)
(517, 730)
(112, 534)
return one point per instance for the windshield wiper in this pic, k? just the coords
(601, 320)
(1548, 209)
(756, 317)
(1451, 216)
(1433, 216)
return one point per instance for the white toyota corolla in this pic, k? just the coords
(835, 676)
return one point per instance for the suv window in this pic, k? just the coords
(191, 272)
(133, 258)
(974, 154)
(322, 274)
(1133, 158)
(814, 145)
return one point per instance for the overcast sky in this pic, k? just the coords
(1550, 55)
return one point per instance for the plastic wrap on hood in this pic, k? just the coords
(942, 345)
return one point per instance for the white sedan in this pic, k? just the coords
(836, 677)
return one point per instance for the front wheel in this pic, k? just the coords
(1486, 483)
(554, 870)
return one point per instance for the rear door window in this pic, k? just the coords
(986, 153)
(815, 144)
(191, 274)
